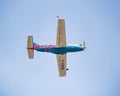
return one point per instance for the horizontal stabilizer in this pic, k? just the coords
(30, 47)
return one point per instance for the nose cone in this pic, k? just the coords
(85, 47)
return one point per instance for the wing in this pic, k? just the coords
(61, 35)
(61, 60)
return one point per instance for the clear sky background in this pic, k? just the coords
(94, 72)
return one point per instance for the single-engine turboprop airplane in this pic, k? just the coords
(60, 49)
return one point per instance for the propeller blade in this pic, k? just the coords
(84, 44)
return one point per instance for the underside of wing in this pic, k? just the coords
(61, 60)
(61, 34)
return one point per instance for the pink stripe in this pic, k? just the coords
(42, 46)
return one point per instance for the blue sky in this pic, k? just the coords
(95, 72)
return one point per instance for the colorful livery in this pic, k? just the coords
(60, 49)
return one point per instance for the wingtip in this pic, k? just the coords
(58, 17)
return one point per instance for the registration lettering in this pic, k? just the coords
(62, 66)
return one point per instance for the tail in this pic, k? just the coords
(30, 47)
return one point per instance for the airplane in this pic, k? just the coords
(60, 49)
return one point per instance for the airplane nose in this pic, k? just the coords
(84, 47)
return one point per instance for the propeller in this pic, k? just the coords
(84, 45)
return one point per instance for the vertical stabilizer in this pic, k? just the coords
(30, 48)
